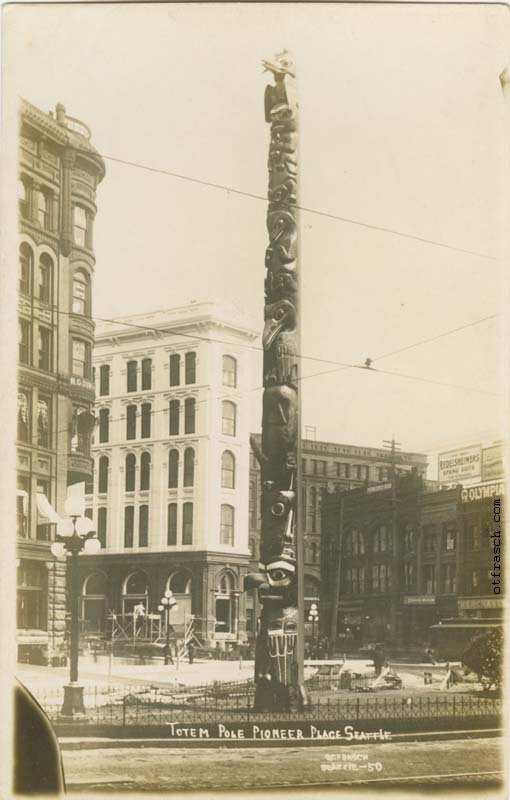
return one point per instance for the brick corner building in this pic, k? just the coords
(58, 174)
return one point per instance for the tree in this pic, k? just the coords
(484, 655)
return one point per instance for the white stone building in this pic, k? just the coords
(171, 469)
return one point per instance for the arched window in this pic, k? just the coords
(171, 537)
(145, 471)
(227, 525)
(143, 525)
(180, 583)
(228, 418)
(187, 523)
(228, 470)
(190, 367)
(189, 415)
(102, 514)
(131, 422)
(174, 417)
(135, 592)
(175, 369)
(146, 373)
(81, 293)
(80, 226)
(129, 525)
(130, 472)
(43, 209)
(229, 371)
(26, 265)
(45, 279)
(225, 606)
(94, 602)
(104, 379)
(132, 369)
(189, 466)
(146, 420)
(173, 469)
(104, 425)
(104, 464)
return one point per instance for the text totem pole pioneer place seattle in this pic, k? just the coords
(278, 652)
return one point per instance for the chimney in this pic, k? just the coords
(61, 113)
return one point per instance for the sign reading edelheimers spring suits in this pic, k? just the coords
(457, 466)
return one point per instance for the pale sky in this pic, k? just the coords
(403, 125)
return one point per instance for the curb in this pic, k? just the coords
(70, 743)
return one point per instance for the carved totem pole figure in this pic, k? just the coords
(276, 654)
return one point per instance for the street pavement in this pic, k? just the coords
(457, 764)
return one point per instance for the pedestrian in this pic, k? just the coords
(191, 652)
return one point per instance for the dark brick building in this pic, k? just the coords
(409, 568)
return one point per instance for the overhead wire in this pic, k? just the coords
(326, 214)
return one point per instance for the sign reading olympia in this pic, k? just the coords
(457, 466)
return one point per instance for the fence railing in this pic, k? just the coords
(114, 705)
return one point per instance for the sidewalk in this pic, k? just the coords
(100, 672)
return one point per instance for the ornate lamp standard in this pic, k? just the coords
(74, 535)
(167, 602)
(313, 617)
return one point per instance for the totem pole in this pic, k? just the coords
(278, 652)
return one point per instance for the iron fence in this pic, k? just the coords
(122, 706)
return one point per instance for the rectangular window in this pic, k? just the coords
(174, 417)
(25, 336)
(430, 579)
(102, 517)
(42, 531)
(22, 507)
(450, 537)
(187, 523)
(43, 205)
(104, 379)
(132, 368)
(81, 359)
(143, 526)
(189, 415)
(227, 525)
(80, 225)
(146, 373)
(129, 519)
(44, 282)
(44, 421)
(190, 367)
(44, 348)
(171, 538)
(24, 415)
(175, 370)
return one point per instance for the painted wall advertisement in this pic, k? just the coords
(492, 462)
(457, 466)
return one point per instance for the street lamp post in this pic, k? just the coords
(74, 535)
(167, 602)
(313, 617)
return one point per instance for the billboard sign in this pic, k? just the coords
(471, 494)
(457, 466)
(492, 463)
